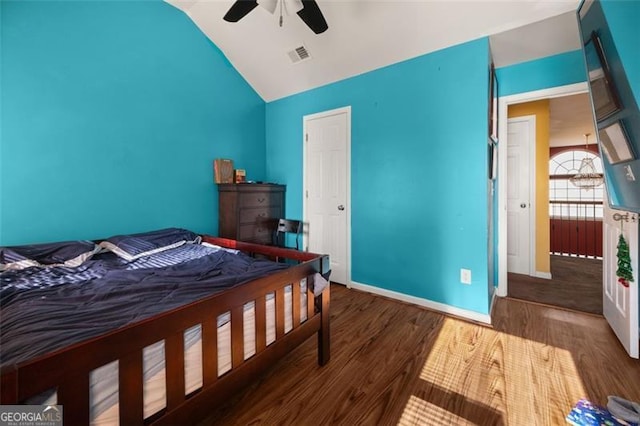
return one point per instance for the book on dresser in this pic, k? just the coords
(250, 211)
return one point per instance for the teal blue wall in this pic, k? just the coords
(617, 26)
(418, 171)
(112, 112)
(623, 18)
(552, 71)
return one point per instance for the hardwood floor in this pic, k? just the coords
(399, 364)
(576, 284)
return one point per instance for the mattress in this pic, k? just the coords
(107, 293)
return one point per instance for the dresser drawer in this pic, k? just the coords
(257, 233)
(250, 212)
(259, 199)
(259, 215)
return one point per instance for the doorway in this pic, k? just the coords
(558, 274)
(327, 188)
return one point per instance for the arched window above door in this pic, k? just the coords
(575, 214)
(568, 162)
(566, 199)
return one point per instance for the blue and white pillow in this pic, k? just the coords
(135, 246)
(68, 253)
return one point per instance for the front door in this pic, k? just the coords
(521, 139)
(327, 209)
(620, 303)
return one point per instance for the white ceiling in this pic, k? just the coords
(570, 119)
(551, 36)
(364, 35)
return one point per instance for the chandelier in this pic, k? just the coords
(587, 177)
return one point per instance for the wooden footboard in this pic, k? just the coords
(68, 370)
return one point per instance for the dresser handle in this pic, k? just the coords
(261, 200)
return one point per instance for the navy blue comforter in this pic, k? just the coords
(43, 309)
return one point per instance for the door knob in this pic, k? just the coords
(523, 205)
(340, 207)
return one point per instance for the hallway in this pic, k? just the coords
(576, 284)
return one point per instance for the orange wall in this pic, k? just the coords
(541, 110)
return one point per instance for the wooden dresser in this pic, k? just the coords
(249, 211)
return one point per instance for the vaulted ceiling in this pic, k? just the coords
(367, 34)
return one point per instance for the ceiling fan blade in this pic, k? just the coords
(239, 10)
(312, 16)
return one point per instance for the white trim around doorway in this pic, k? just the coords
(344, 110)
(503, 104)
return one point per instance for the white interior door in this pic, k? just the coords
(619, 303)
(326, 188)
(521, 142)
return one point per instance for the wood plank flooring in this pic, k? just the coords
(398, 364)
(576, 284)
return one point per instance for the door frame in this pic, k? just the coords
(503, 104)
(531, 152)
(306, 118)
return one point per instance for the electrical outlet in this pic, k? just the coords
(465, 276)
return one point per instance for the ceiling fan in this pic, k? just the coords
(307, 10)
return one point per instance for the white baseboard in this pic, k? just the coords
(545, 275)
(436, 306)
(493, 302)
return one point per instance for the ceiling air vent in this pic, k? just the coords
(299, 54)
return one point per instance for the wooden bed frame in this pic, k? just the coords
(68, 369)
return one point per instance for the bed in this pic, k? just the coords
(152, 328)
